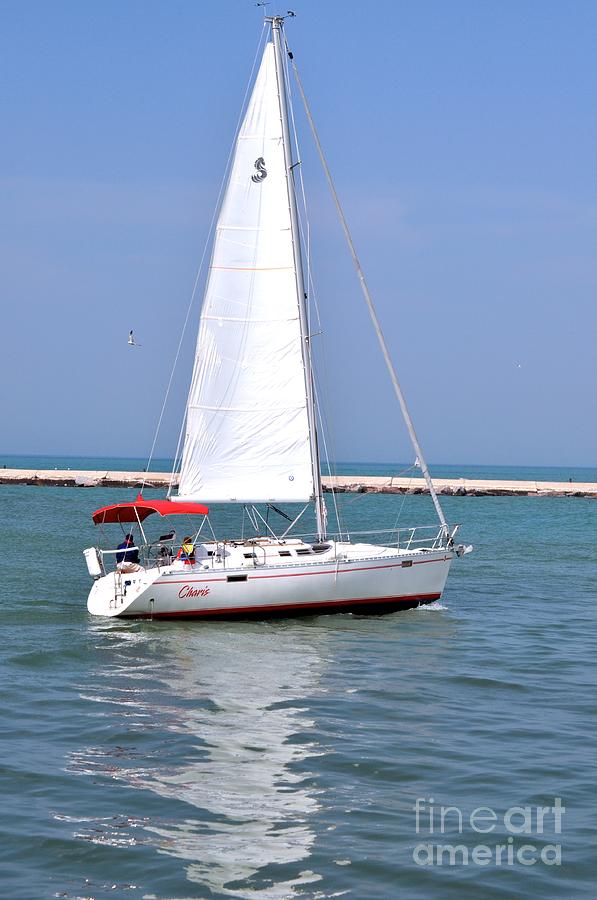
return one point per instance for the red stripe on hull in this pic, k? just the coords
(348, 571)
(364, 604)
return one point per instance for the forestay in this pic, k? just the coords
(247, 432)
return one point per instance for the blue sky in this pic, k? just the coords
(463, 139)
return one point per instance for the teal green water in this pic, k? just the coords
(284, 759)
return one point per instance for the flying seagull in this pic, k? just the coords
(132, 342)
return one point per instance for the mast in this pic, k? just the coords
(277, 23)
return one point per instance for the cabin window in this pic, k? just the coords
(249, 555)
(303, 551)
(407, 563)
(284, 552)
(236, 578)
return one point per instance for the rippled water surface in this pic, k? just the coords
(284, 759)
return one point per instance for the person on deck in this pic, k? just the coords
(127, 557)
(187, 551)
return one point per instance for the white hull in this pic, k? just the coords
(386, 581)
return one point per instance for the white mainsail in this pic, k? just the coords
(247, 426)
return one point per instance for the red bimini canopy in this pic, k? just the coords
(139, 509)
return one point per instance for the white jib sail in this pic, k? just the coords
(247, 432)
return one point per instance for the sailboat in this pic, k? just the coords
(251, 433)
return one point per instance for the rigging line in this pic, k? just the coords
(396, 475)
(312, 291)
(327, 459)
(402, 504)
(305, 231)
(305, 344)
(197, 277)
(404, 496)
(371, 307)
(325, 403)
(307, 237)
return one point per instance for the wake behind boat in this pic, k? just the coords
(251, 426)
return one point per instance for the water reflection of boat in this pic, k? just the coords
(237, 696)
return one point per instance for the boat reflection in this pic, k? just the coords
(224, 708)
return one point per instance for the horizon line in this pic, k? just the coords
(336, 462)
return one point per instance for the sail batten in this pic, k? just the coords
(247, 429)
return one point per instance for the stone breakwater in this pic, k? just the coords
(361, 484)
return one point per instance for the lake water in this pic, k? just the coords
(285, 759)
